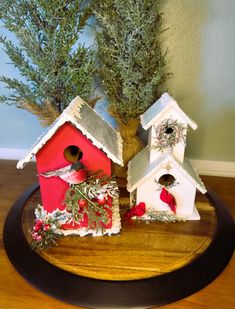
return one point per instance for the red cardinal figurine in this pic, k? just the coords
(136, 211)
(169, 199)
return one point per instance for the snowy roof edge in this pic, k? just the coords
(67, 117)
(196, 179)
(163, 103)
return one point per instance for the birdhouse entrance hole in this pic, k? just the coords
(169, 130)
(73, 153)
(166, 180)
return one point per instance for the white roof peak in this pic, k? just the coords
(159, 109)
(139, 169)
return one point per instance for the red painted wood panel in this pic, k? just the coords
(51, 157)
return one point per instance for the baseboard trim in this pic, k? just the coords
(214, 168)
(203, 167)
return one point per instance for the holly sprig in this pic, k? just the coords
(90, 198)
(45, 231)
(95, 213)
(43, 236)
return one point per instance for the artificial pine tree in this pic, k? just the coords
(131, 61)
(54, 66)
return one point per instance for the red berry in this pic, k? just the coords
(82, 202)
(37, 227)
(38, 237)
(46, 227)
(101, 199)
(39, 222)
(34, 235)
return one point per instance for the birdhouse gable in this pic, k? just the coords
(165, 108)
(146, 170)
(85, 119)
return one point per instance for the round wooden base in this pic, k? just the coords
(146, 265)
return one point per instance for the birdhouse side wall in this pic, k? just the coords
(51, 157)
(183, 192)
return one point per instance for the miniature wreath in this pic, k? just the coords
(168, 134)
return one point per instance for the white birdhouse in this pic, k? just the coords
(160, 176)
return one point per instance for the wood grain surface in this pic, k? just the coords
(140, 251)
(15, 292)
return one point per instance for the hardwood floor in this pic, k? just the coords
(17, 293)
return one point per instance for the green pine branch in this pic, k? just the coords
(131, 60)
(54, 66)
(89, 191)
(22, 90)
(17, 56)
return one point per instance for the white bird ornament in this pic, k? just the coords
(72, 174)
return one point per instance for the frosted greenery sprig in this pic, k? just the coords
(131, 59)
(164, 216)
(95, 213)
(97, 184)
(58, 216)
(88, 193)
(89, 198)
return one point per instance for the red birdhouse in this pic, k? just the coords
(81, 136)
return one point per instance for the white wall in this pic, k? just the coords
(18, 128)
(201, 43)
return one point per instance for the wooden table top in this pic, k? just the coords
(140, 251)
(15, 292)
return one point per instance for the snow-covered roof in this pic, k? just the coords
(161, 108)
(84, 118)
(139, 169)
